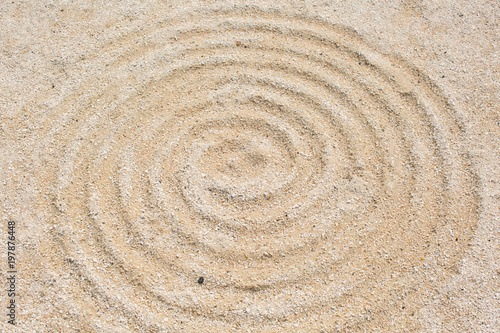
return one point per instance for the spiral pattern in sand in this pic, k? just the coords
(305, 176)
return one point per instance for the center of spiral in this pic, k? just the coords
(240, 163)
(235, 159)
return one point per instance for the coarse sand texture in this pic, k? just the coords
(249, 169)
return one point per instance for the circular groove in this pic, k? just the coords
(280, 157)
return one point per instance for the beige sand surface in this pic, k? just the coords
(251, 166)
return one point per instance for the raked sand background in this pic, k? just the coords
(371, 206)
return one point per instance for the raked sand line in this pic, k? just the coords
(312, 181)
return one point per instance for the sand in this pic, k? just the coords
(251, 166)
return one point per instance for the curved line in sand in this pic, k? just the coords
(301, 172)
